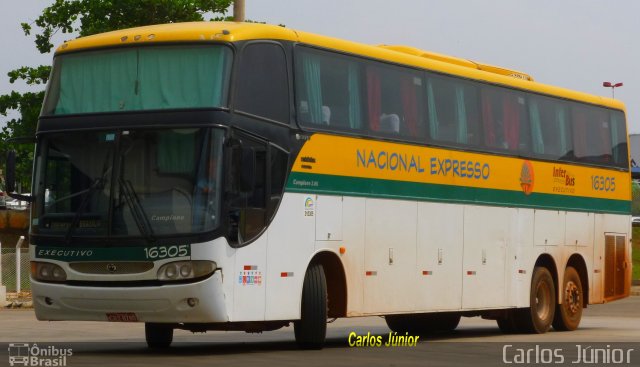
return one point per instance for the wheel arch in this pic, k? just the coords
(336, 282)
(577, 262)
(547, 261)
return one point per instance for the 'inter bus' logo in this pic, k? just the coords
(526, 177)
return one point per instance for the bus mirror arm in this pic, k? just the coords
(10, 178)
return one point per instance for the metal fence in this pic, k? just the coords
(10, 267)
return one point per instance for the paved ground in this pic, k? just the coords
(476, 342)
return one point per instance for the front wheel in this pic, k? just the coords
(569, 311)
(158, 335)
(538, 317)
(311, 329)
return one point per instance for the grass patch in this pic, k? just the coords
(635, 240)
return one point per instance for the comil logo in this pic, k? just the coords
(24, 354)
(527, 178)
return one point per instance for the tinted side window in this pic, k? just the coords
(328, 90)
(248, 208)
(395, 100)
(505, 120)
(619, 139)
(263, 88)
(591, 134)
(252, 210)
(278, 171)
(339, 92)
(454, 116)
(550, 127)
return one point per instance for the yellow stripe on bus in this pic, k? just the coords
(352, 157)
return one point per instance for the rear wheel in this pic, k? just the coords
(158, 335)
(538, 317)
(311, 329)
(569, 311)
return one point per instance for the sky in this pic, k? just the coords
(576, 44)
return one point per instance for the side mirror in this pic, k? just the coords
(10, 179)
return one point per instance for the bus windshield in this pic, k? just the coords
(139, 78)
(129, 183)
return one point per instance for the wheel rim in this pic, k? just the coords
(572, 299)
(543, 296)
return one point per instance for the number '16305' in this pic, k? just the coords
(161, 252)
(602, 183)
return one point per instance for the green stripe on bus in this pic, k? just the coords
(131, 253)
(365, 187)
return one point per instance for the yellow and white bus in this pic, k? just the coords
(230, 176)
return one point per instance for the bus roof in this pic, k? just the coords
(233, 32)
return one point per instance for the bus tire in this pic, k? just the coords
(537, 318)
(158, 335)
(311, 329)
(400, 323)
(444, 322)
(569, 311)
(507, 324)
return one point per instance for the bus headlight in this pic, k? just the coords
(47, 272)
(181, 270)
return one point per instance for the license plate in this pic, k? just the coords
(122, 317)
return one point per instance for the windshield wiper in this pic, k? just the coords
(98, 184)
(137, 211)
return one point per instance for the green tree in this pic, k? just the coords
(635, 198)
(83, 18)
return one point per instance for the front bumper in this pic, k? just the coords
(166, 303)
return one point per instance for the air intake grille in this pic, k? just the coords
(115, 267)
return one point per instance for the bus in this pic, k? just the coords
(246, 177)
(19, 354)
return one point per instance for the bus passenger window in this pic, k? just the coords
(263, 86)
(328, 90)
(550, 128)
(592, 134)
(619, 139)
(453, 111)
(505, 120)
(394, 101)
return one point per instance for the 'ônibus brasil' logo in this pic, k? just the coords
(527, 178)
